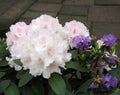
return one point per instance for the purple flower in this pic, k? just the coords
(114, 82)
(112, 59)
(82, 42)
(93, 85)
(109, 40)
(109, 81)
(106, 80)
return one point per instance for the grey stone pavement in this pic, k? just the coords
(100, 16)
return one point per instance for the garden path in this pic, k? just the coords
(100, 16)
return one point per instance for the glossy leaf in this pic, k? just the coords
(74, 54)
(68, 93)
(68, 85)
(3, 63)
(51, 92)
(12, 89)
(2, 74)
(25, 79)
(20, 74)
(57, 84)
(18, 62)
(37, 87)
(76, 66)
(115, 93)
(4, 84)
(27, 90)
(3, 51)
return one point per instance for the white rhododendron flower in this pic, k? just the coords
(113, 54)
(17, 31)
(15, 41)
(100, 43)
(75, 28)
(43, 47)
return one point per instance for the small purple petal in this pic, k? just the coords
(109, 81)
(106, 80)
(114, 82)
(109, 40)
(112, 59)
(93, 85)
(82, 42)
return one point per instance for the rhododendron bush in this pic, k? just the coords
(46, 58)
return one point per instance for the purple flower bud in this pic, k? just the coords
(93, 85)
(109, 40)
(112, 59)
(82, 42)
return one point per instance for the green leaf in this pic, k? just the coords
(37, 87)
(25, 79)
(96, 46)
(76, 66)
(113, 48)
(3, 63)
(89, 93)
(115, 72)
(57, 84)
(68, 93)
(74, 54)
(18, 62)
(27, 90)
(115, 93)
(84, 86)
(3, 51)
(68, 85)
(2, 74)
(12, 89)
(51, 92)
(20, 74)
(4, 84)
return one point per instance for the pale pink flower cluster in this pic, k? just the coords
(75, 28)
(42, 46)
(15, 41)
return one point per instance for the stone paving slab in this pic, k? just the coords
(26, 20)
(107, 2)
(99, 29)
(1, 1)
(104, 14)
(4, 5)
(74, 10)
(30, 14)
(78, 2)
(13, 13)
(38, 6)
(82, 19)
(51, 1)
